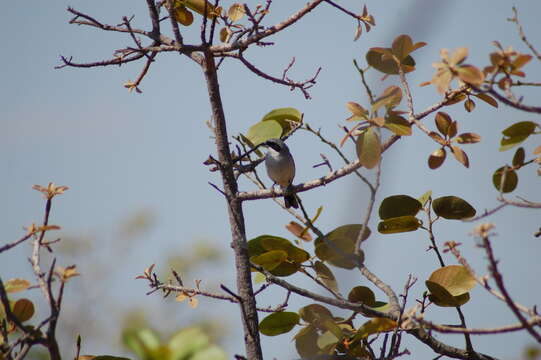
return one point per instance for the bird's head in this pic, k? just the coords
(276, 145)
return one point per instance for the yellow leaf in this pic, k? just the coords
(200, 5)
(182, 16)
(369, 148)
(235, 12)
(181, 297)
(193, 302)
(376, 325)
(16, 285)
(225, 35)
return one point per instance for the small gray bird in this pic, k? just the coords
(281, 169)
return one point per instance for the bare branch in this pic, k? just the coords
(477, 331)
(515, 104)
(498, 278)
(301, 85)
(453, 248)
(522, 34)
(342, 9)
(244, 43)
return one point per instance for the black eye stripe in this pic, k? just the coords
(274, 146)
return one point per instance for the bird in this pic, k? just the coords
(281, 169)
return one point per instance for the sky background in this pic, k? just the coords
(137, 159)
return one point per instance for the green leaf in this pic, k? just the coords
(212, 352)
(399, 205)
(425, 197)
(294, 253)
(23, 309)
(363, 295)
(509, 143)
(306, 342)
(449, 285)
(441, 297)
(285, 269)
(456, 279)
(399, 224)
(397, 124)
(369, 148)
(315, 314)
(516, 133)
(518, 158)
(143, 342)
(375, 326)
(284, 116)
(270, 260)
(325, 275)
(453, 207)
(248, 142)
(327, 342)
(390, 98)
(511, 179)
(375, 58)
(263, 131)
(265, 243)
(339, 243)
(278, 323)
(186, 342)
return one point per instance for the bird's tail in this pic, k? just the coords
(290, 198)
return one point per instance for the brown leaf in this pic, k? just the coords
(471, 75)
(436, 158)
(437, 137)
(468, 138)
(452, 130)
(358, 32)
(379, 121)
(461, 156)
(356, 109)
(488, 99)
(469, 105)
(443, 121)
(299, 231)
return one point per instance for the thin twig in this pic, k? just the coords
(498, 278)
(523, 35)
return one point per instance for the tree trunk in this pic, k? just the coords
(236, 217)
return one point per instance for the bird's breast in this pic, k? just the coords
(281, 168)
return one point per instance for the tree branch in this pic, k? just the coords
(236, 216)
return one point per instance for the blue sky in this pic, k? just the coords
(122, 153)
